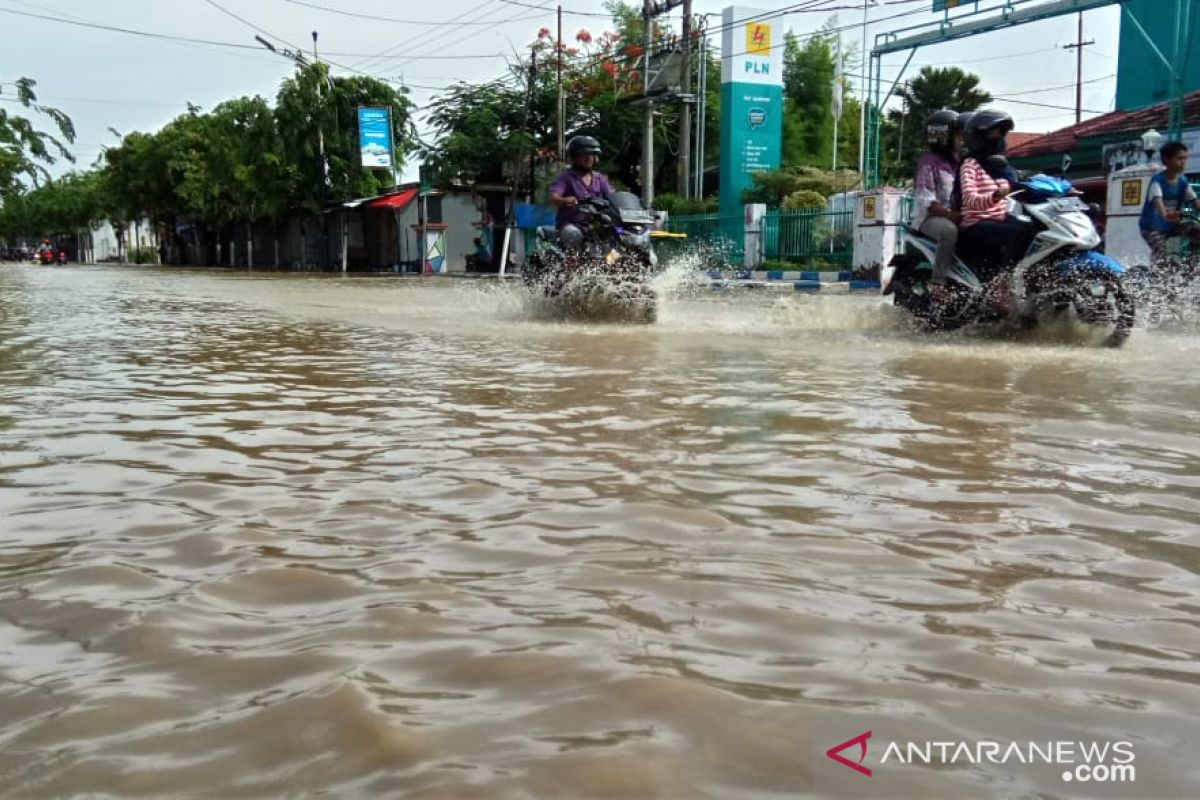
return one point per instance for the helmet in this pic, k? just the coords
(976, 132)
(582, 145)
(940, 128)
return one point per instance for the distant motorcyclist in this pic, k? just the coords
(1162, 216)
(989, 236)
(581, 181)
(933, 189)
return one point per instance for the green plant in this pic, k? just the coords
(804, 200)
(143, 255)
(677, 206)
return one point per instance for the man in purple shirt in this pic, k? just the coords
(578, 183)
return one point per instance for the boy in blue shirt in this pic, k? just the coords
(1162, 217)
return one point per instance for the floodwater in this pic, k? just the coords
(282, 535)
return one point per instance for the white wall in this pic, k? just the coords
(104, 239)
(461, 218)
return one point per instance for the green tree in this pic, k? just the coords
(26, 150)
(312, 104)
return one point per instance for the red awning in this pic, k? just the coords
(398, 200)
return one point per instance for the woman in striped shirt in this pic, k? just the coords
(990, 238)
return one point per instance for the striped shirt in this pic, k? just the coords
(978, 201)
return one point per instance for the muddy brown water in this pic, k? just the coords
(279, 535)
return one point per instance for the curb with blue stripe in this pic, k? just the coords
(797, 280)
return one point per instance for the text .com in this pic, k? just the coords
(1085, 762)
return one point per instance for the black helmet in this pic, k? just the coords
(940, 128)
(976, 132)
(582, 145)
(963, 119)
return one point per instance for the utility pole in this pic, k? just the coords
(1078, 46)
(532, 140)
(324, 168)
(685, 112)
(562, 155)
(647, 176)
(301, 62)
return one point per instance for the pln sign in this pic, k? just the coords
(751, 101)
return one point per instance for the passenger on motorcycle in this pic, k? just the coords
(990, 238)
(579, 182)
(1162, 217)
(933, 189)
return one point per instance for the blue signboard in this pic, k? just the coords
(375, 137)
(751, 103)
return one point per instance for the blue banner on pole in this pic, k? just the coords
(375, 137)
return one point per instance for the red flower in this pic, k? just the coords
(634, 50)
(583, 36)
(543, 33)
(610, 68)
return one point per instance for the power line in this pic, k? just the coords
(211, 42)
(382, 56)
(552, 8)
(1045, 105)
(404, 21)
(250, 24)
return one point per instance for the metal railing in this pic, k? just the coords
(809, 236)
(720, 238)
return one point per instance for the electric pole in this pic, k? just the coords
(1078, 46)
(561, 111)
(647, 176)
(650, 10)
(685, 111)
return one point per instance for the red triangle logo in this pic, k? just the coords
(835, 753)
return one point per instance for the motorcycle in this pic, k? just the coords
(603, 268)
(46, 257)
(1062, 270)
(1162, 286)
(61, 258)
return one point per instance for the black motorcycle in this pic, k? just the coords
(601, 269)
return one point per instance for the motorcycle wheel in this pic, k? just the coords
(1116, 306)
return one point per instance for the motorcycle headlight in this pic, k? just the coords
(636, 239)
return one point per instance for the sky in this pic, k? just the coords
(110, 79)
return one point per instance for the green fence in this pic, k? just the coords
(809, 236)
(718, 238)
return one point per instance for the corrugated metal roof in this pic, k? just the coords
(1135, 122)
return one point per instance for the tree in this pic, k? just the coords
(808, 100)
(24, 149)
(312, 104)
(486, 130)
(932, 89)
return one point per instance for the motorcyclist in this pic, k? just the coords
(581, 181)
(933, 189)
(989, 237)
(1162, 215)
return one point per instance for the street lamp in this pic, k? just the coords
(1151, 141)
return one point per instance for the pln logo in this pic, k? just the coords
(756, 117)
(758, 39)
(835, 753)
